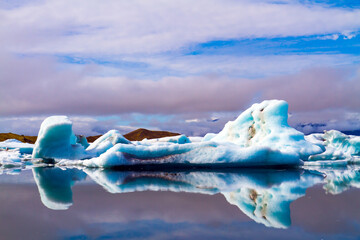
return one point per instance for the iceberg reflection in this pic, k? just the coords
(54, 185)
(340, 179)
(263, 195)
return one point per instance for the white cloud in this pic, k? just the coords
(244, 66)
(349, 35)
(37, 87)
(329, 37)
(344, 35)
(194, 120)
(94, 27)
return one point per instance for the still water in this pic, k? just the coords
(56, 203)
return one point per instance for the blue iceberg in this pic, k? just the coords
(260, 136)
(57, 140)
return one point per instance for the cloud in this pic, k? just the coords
(119, 27)
(82, 125)
(347, 35)
(39, 87)
(153, 76)
(250, 66)
(36, 86)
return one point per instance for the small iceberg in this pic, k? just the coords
(56, 140)
(11, 144)
(10, 158)
(337, 146)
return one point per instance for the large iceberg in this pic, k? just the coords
(265, 125)
(209, 154)
(260, 136)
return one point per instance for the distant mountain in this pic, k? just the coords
(141, 133)
(22, 138)
(137, 135)
(92, 138)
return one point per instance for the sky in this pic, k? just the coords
(183, 66)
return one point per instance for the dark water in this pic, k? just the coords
(54, 203)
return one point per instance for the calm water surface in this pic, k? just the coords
(54, 203)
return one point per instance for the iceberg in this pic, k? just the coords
(82, 140)
(260, 136)
(337, 146)
(265, 124)
(201, 154)
(10, 158)
(56, 140)
(105, 142)
(26, 148)
(179, 139)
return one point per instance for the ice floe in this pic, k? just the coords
(26, 148)
(10, 158)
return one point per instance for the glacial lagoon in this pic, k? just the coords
(91, 203)
(258, 178)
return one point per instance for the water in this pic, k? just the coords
(54, 203)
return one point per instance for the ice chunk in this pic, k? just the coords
(202, 153)
(81, 139)
(209, 136)
(180, 139)
(10, 158)
(105, 142)
(56, 140)
(195, 139)
(338, 145)
(265, 124)
(16, 144)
